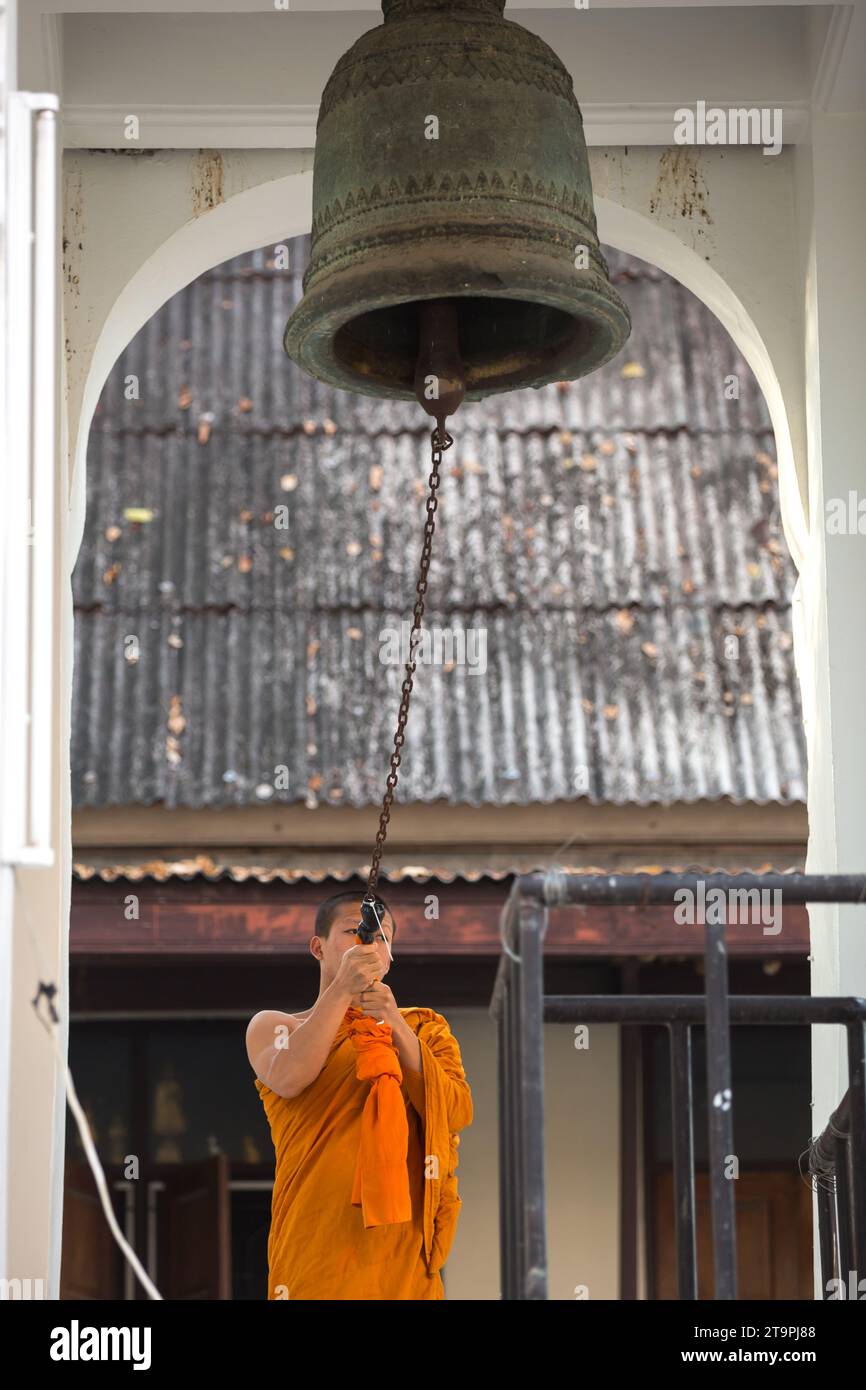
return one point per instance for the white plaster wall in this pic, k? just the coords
(581, 1124)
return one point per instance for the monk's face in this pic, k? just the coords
(341, 938)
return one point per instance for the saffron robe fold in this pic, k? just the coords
(319, 1246)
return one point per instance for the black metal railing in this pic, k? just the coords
(520, 1008)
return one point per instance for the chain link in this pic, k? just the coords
(440, 441)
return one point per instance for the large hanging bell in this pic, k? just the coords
(451, 165)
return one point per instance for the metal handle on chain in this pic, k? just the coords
(440, 441)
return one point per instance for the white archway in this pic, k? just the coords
(279, 207)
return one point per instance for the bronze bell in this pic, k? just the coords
(451, 173)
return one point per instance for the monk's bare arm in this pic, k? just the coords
(288, 1056)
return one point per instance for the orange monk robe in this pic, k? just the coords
(319, 1246)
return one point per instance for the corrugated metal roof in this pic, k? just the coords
(606, 539)
(293, 867)
(623, 706)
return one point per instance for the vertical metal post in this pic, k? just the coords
(720, 1111)
(515, 1078)
(826, 1233)
(843, 1213)
(505, 1130)
(683, 1148)
(857, 1143)
(532, 924)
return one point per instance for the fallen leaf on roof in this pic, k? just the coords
(588, 462)
(754, 570)
(569, 462)
(329, 427)
(625, 620)
(113, 533)
(688, 586)
(176, 721)
(286, 553)
(313, 646)
(588, 706)
(203, 431)
(309, 427)
(314, 782)
(174, 640)
(111, 573)
(649, 649)
(139, 514)
(355, 633)
(227, 561)
(763, 459)
(245, 564)
(611, 711)
(377, 473)
(607, 447)
(246, 515)
(310, 705)
(288, 482)
(184, 398)
(353, 548)
(630, 370)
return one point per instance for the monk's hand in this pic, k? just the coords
(359, 967)
(378, 1001)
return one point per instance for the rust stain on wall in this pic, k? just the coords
(207, 179)
(73, 245)
(680, 188)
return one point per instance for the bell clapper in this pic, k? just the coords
(440, 381)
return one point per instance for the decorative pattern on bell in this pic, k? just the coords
(451, 164)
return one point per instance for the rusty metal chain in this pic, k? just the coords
(440, 441)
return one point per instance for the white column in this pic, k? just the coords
(833, 222)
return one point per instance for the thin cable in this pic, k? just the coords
(50, 992)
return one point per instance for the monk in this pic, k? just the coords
(365, 1101)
